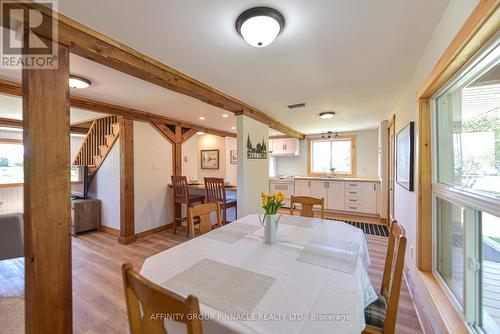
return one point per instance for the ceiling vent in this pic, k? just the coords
(298, 105)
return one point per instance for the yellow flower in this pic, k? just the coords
(264, 201)
(262, 194)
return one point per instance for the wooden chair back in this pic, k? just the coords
(216, 191)
(203, 212)
(181, 191)
(307, 204)
(153, 299)
(393, 274)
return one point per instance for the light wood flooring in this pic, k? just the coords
(98, 303)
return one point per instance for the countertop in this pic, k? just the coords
(354, 179)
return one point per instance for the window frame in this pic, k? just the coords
(351, 138)
(473, 203)
(11, 141)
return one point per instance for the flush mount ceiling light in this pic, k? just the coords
(327, 114)
(200, 133)
(225, 115)
(202, 118)
(259, 26)
(78, 82)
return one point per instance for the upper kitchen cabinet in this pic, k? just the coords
(284, 147)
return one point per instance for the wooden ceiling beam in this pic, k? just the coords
(12, 88)
(188, 134)
(99, 48)
(16, 123)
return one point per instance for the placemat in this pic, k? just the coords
(221, 286)
(337, 255)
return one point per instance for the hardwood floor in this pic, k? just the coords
(98, 303)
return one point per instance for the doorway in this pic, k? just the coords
(391, 137)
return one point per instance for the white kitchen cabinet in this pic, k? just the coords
(369, 197)
(302, 188)
(319, 188)
(284, 146)
(335, 195)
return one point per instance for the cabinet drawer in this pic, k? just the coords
(352, 207)
(353, 185)
(353, 193)
(353, 201)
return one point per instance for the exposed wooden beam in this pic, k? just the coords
(47, 190)
(127, 217)
(175, 138)
(97, 47)
(188, 134)
(178, 150)
(12, 88)
(16, 123)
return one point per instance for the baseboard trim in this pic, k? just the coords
(109, 230)
(153, 231)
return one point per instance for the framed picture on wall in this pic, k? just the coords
(209, 159)
(405, 152)
(233, 157)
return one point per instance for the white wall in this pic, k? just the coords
(452, 20)
(152, 172)
(106, 187)
(11, 200)
(191, 158)
(366, 156)
(231, 170)
(405, 201)
(191, 152)
(252, 173)
(75, 143)
(383, 167)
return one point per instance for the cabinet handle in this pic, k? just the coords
(352, 185)
(352, 208)
(309, 184)
(374, 187)
(352, 200)
(352, 192)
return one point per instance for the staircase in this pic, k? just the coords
(99, 141)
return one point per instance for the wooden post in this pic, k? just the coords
(126, 180)
(47, 210)
(178, 151)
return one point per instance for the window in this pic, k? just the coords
(332, 156)
(466, 190)
(11, 162)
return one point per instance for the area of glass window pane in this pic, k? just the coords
(491, 273)
(468, 134)
(320, 157)
(450, 250)
(11, 163)
(341, 156)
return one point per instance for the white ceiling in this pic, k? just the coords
(12, 107)
(352, 57)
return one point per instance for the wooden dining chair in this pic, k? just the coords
(145, 299)
(381, 315)
(307, 204)
(216, 193)
(182, 196)
(203, 212)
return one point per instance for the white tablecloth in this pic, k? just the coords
(303, 297)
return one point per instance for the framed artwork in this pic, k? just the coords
(233, 157)
(405, 153)
(209, 159)
(259, 151)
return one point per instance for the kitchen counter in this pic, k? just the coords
(322, 178)
(337, 178)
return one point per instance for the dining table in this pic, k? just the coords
(314, 279)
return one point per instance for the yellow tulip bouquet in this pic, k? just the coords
(272, 202)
